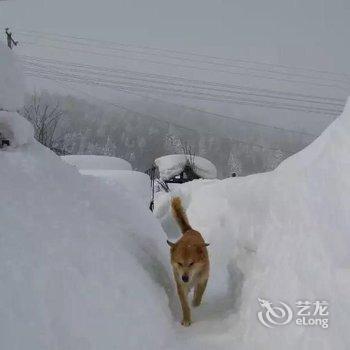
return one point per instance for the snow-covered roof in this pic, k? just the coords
(92, 162)
(173, 164)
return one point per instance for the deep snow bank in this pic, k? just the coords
(81, 265)
(281, 236)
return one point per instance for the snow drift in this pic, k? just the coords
(77, 270)
(282, 235)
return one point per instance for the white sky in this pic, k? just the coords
(305, 33)
(300, 32)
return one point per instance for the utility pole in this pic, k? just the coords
(10, 41)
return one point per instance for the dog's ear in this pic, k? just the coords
(171, 244)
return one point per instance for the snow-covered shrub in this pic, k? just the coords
(16, 129)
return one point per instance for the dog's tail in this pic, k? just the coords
(179, 214)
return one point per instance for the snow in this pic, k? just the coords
(78, 269)
(282, 235)
(173, 164)
(134, 181)
(11, 81)
(113, 172)
(15, 129)
(92, 162)
(83, 265)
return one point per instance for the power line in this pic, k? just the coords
(160, 86)
(210, 114)
(220, 64)
(120, 106)
(183, 53)
(172, 80)
(187, 66)
(167, 82)
(160, 80)
(118, 85)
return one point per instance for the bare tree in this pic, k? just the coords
(44, 119)
(189, 153)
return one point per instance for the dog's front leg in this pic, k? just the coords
(198, 292)
(186, 311)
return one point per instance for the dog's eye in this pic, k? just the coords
(180, 264)
(190, 264)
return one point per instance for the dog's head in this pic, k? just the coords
(188, 259)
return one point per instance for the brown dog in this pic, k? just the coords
(190, 262)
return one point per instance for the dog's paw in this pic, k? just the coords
(186, 323)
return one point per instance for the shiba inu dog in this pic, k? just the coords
(190, 262)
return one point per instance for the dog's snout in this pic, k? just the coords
(185, 278)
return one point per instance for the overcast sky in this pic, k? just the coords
(305, 33)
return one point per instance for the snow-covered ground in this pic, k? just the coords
(85, 266)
